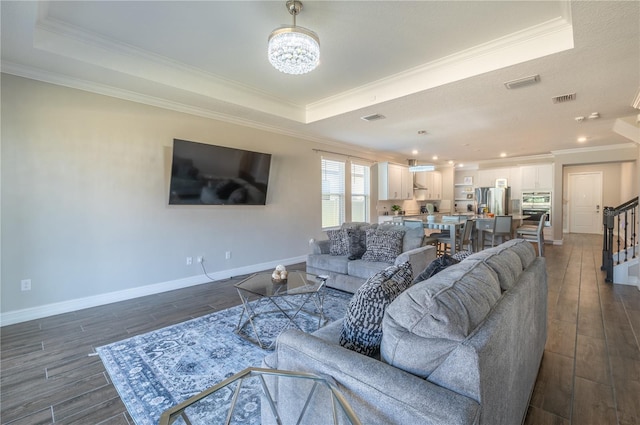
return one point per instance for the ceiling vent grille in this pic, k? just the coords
(564, 98)
(522, 82)
(373, 117)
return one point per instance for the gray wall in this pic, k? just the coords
(84, 200)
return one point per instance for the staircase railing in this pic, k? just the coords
(620, 224)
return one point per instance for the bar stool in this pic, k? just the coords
(501, 230)
(534, 234)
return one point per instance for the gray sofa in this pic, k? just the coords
(463, 347)
(349, 274)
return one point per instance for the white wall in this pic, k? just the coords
(84, 200)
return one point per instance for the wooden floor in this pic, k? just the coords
(590, 372)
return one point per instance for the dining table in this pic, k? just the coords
(453, 224)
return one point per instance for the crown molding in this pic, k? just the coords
(593, 149)
(537, 41)
(118, 93)
(63, 39)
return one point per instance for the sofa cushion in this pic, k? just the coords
(362, 326)
(332, 263)
(435, 267)
(338, 242)
(503, 261)
(365, 269)
(523, 248)
(383, 245)
(428, 320)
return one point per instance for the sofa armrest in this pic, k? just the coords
(419, 258)
(378, 393)
(320, 247)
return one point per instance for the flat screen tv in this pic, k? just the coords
(203, 174)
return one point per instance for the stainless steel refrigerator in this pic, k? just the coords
(496, 199)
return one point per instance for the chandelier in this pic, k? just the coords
(292, 49)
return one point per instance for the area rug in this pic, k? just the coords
(157, 370)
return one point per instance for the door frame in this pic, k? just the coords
(570, 200)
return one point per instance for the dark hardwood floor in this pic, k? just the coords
(590, 373)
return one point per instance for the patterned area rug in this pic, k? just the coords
(157, 370)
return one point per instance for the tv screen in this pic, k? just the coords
(203, 174)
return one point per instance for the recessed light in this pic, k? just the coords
(450, 162)
(414, 152)
(460, 165)
(582, 139)
(502, 155)
(434, 157)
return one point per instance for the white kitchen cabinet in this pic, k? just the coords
(394, 182)
(487, 178)
(537, 177)
(430, 184)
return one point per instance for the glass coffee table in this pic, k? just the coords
(260, 295)
(265, 396)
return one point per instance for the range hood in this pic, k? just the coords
(414, 168)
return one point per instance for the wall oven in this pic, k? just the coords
(534, 204)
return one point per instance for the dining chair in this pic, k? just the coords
(501, 230)
(467, 236)
(444, 238)
(534, 233)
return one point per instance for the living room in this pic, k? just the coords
(85, 213)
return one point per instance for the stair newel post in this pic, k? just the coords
(607, 243)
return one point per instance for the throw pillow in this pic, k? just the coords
(356, 240)
(337, 242)
(383, 245)
(362, 325)
(435, 267)
(461, 255)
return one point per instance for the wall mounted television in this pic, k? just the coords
(203, 174)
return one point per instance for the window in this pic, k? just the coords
(359, 192)
(345, 192)
(333, 199)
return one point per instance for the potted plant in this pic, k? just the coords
(396, 209)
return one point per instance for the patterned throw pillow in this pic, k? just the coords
(383, 245)
(362, 326)
(338, 242)
(356, 240)
(461, 255)
(435, 267)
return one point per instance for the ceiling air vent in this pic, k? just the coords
(521, 82)
(373, 117)
(564, 98)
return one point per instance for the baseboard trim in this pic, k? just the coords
(39, 312)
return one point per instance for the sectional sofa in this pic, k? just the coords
(463, 347)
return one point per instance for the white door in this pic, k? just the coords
(585, 202)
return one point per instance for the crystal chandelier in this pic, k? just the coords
(292, 49)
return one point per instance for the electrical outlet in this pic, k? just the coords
(227, 255)
(25, 285)
(189, 261)
(200, 259)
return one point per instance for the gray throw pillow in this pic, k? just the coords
(383, 245)
(338, 242)
(362, 325)
(356, 240)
